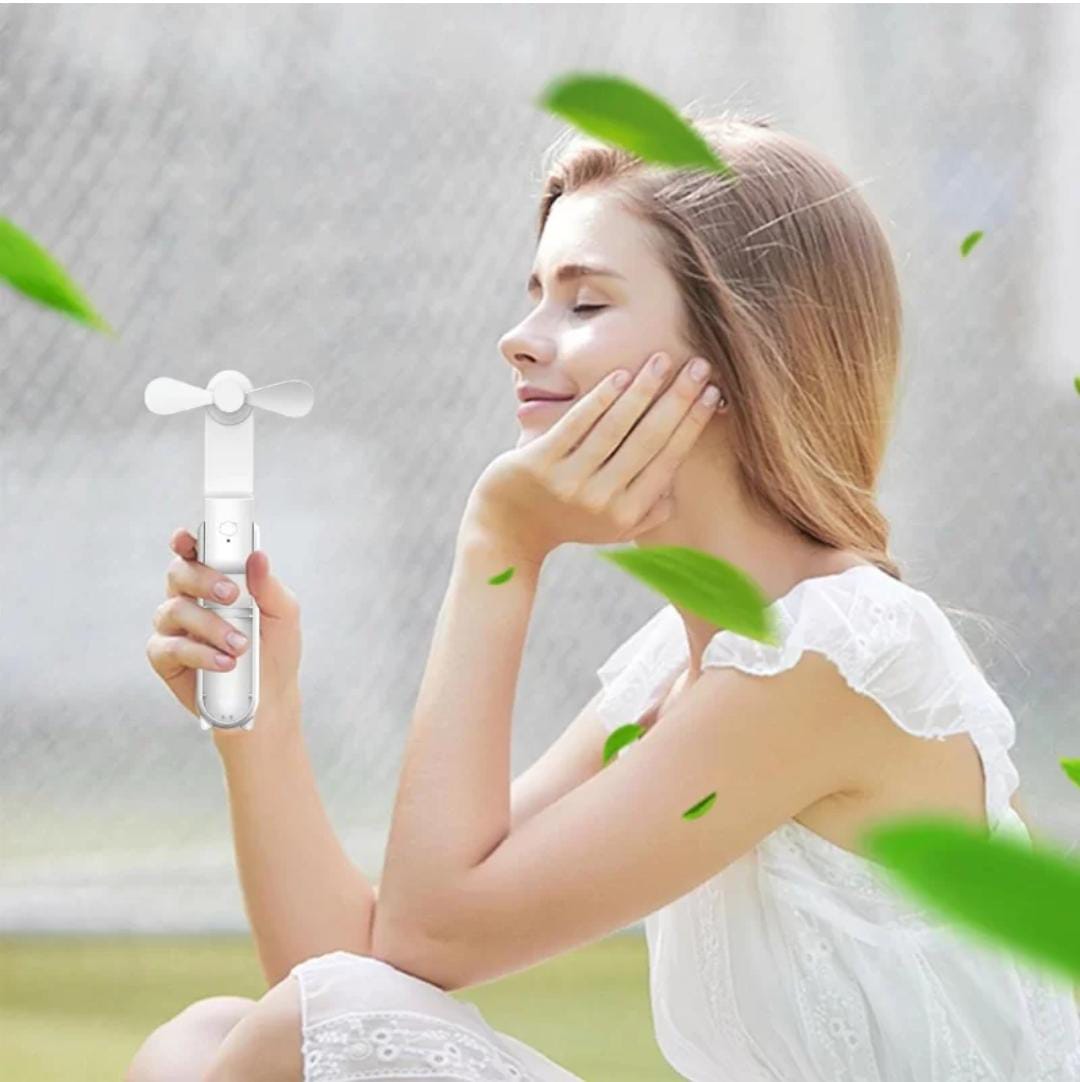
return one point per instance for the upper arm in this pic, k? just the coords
(1021, 811)
(574, 756)
(616, 848)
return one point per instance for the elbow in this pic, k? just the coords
(414, 953)
(391, 927)
(414, 950)
(383, 935)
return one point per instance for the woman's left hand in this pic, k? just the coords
(585, 479)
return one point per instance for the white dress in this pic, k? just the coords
(364, 1019)
(796, 962)
(799, 962)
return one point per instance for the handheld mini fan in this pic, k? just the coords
(228, 533)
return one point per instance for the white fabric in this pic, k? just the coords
(799, 961)
(364, 1019)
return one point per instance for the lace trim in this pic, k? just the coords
(1057, 1024)
(634, 676)
(401, 1044)
(800, 862)
(836, 1014)
(710, 926)
(816, 875)
(1056, 1035)
(891, 643)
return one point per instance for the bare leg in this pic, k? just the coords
(181, 1049)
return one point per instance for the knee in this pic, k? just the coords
(180, 1049)
(267, 1044)
(216, 1012)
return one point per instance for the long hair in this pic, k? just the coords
(790, 292)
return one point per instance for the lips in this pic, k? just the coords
(547, 398)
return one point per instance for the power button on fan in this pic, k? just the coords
(228, 528)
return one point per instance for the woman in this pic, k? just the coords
(777, 951)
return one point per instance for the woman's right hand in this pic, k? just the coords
(188, 636)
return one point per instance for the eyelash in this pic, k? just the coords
(589, 307)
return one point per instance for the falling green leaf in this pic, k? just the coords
(33, 272)
(618, 111)
(1000, 889)
(970, 241)
(700, 808)
(501, 577)
(709, 587)
(619, 738)
(1072, 768)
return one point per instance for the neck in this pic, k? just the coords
(712, 516)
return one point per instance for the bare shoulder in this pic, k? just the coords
(864, 734)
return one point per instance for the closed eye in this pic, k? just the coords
(589, 307)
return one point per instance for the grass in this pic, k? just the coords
(77, 1007)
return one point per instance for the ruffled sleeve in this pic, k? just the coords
(634, 676)
(893, 644)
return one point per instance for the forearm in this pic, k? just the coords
(453, 799)
(302, 893)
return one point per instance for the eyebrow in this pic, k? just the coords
(569, 271)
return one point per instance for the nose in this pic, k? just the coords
(522, 354)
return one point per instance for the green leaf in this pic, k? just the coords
(501, 577)
(1072, 769)
(700, 808)
(33, 272)
(1000, 889)
(618, 111)
(1076, 383)
(619, 738)
(709, 587)
(970, 241)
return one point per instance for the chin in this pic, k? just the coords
(526, 435)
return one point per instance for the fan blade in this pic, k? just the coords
(165, 395)
(290, 397)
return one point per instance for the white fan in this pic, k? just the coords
(228, 533)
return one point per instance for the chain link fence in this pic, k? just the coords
(346, 195)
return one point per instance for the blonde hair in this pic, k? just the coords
(790, 291)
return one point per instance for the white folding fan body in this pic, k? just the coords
(228, 533)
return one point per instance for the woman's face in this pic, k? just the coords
(567, 352)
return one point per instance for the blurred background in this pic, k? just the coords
(346, 195)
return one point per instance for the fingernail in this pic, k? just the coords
(224, 590)
(223, 660)
(699, 369)
(710, 396)
(659, 364)
(235, 639)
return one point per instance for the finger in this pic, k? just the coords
(613, 477)
(655, 479)
(643, 411)
(660, 420)
(272, 596)
(184, 544)
(562, 438)
(619, 436)
(183, 615)
(170, 655)
(195, 579)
